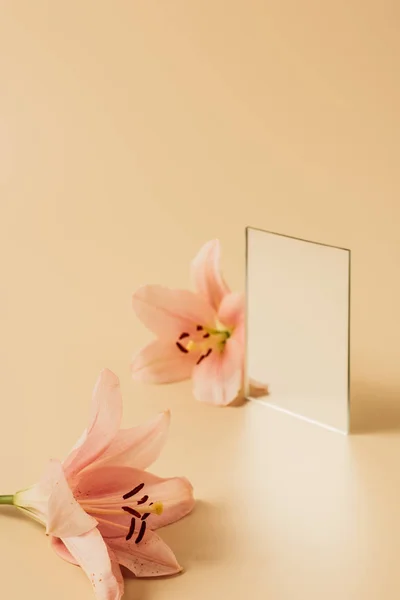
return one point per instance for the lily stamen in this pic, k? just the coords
(112, 524)
(215, 338)
(156, 508)
(203, 356)
(143, 500)
(133, 492)
(138, 512)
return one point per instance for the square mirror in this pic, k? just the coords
(298, 317)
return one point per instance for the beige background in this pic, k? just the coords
(133, 131)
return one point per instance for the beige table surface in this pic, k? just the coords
(285, 509)
(130, 134)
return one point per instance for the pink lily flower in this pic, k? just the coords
(100, 506)
(200, 335)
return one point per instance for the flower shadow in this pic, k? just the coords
(10, 512)
(254, 391)
(196, 538)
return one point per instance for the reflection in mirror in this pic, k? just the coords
(298, 326)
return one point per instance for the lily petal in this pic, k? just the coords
(116, 569)
(217, 380)
(138, 446)
(232, 310)
(162, 362)
(104, 424)
(176, 494)
(65, 516)
(206, 275)
(79, 442)
(105, 487)
(91, 553)
(60, 548)
(168, 313)
(150, 558)
(232, 314)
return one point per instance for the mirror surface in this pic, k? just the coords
(298, 315)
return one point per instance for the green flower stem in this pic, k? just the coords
(6, 499)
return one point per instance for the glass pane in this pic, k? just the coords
(298, 326)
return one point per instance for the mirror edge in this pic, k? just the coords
(246, 383)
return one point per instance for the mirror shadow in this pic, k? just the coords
(375, 408)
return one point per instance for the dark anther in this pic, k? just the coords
(206, 335)
(144, 517)
(203, 356)
(131, 530)
(131, 511)
(135, 490)
(143, 500)
(183, 335)
(182, 348)
(151, 504)
(199, 328)
(141, 532)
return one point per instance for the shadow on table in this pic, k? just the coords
(196, 538)
(374, 408)
(11, 512)
(199, 537)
